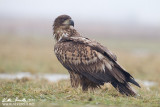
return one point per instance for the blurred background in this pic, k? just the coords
(130, 29)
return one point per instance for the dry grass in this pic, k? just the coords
(28, 55)
(61, 93)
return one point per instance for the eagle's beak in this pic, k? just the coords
(69, 22)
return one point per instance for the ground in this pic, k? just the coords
(35, 55)
(62, 94)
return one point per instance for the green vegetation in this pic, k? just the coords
(35, 55)
(61, 93)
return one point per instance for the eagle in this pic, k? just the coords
(89, 63)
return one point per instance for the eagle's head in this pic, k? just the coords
(63, 26)
(63, 21)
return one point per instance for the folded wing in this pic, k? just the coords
(92, 60)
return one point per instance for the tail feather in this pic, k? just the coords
(131, 80)
(124, 88)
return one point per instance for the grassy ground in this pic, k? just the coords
(62, 94)
(35, 55)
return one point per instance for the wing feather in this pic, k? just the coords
(81, 55)
(90, 59)
(95, 45)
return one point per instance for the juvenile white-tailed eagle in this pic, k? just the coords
(89, 64)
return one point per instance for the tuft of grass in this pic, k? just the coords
(61, 93)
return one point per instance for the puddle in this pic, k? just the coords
(57, 77)
(147, 83)
(49, 77)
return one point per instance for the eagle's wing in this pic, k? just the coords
(95, 45)
(90, 59)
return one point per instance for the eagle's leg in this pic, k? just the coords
(87, 84)
(75, 79)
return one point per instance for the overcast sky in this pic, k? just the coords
(143, 11)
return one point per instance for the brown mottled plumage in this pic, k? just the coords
(89, 64)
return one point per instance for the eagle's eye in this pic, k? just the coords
(63, 20)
